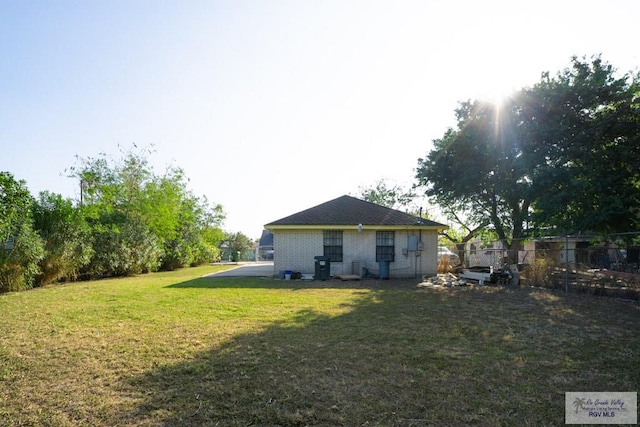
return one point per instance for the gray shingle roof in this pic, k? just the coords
(347, 210)
(266, 239)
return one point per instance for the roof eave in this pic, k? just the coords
(365, 227)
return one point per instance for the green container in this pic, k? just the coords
(323, 268)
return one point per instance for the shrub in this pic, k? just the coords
(19, 261)
(20, 247)
(540, 272)
(124, 250)
(66, 238)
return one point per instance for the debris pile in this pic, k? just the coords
(445, 266)
(444, 280)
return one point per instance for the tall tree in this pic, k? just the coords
(482, 165)
(586, 125)
(142, 221)
(564, 149)
(113, 196)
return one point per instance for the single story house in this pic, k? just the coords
(356, 235)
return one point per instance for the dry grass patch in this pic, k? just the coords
(175, 349)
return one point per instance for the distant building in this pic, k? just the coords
(265, 246)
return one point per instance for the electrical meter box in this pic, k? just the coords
(413, 242)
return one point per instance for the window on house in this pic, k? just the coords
(332, 242)
(385, 245)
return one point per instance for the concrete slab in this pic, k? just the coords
(249, 269)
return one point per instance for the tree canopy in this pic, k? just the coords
(390, 195)
(585, 124)
(129, 220)
(142, 221)
(559, 155)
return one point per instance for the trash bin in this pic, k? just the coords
(384, 268)
(323, 268)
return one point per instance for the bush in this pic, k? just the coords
(11, 278)
(540, 272)
(19, 260)
(20, 247)
(66, 237)
(124, 250)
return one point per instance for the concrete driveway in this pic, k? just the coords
(249, 269)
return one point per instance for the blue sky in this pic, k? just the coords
(275, 106)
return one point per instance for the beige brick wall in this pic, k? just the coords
(295, 250)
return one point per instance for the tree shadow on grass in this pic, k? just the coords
(267, 283)
(397, 358)
(310, 370)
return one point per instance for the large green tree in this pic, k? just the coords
(564, 149)
(142, 221)
(584, 124)
(111, 196)
(482, 167)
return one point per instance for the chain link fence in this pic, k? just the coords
(583, 263)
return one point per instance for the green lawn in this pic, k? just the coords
(177, 349)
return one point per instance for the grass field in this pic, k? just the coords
(176, 349)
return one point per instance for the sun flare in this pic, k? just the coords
(496, 89)
(498, 95)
